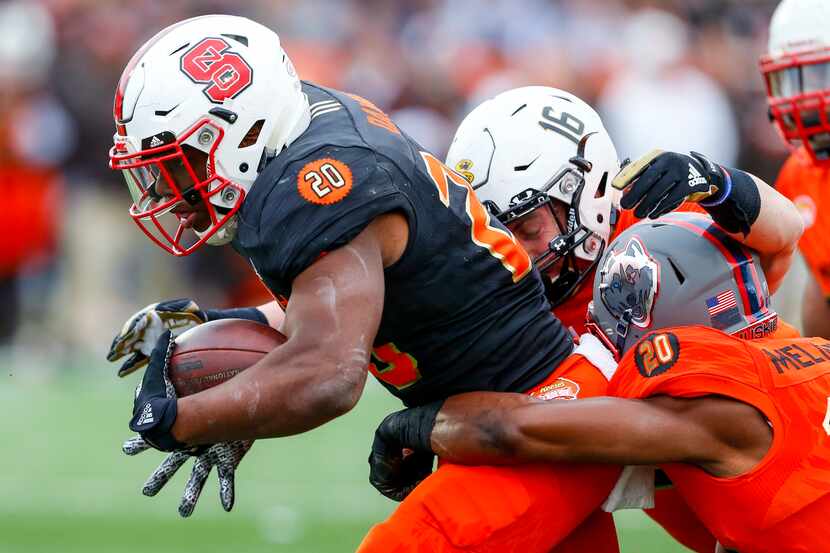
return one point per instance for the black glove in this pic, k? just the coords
(154, 407)
(659, 182)
(392, 472)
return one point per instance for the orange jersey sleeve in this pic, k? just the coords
(783, 503)
(808, 187)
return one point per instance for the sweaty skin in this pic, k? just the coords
(320, 371)
(492, 428)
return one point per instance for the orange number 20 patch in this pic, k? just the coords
(324, 181)
(656, 354)
(499, 242)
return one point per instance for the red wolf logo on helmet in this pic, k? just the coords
(629, 280)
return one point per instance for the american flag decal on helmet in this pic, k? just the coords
(721, 302)
(723, 310)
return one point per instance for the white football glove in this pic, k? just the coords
(224, 456)
(141, 331)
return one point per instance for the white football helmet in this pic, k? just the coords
(796, 69)
(216, 88)
(529, 146)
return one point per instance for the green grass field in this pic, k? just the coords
(66, 487)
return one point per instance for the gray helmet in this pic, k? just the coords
(680, 269)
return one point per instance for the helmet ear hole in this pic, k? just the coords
(601, 187)
(252, 135)
(677, 272)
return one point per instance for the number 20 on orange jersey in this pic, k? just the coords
(499, 242)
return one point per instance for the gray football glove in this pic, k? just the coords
(141, 331)
(224, 456)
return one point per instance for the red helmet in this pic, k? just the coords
(796, 69)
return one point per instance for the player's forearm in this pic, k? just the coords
(774, 234)
(286, 393)
(496, 428)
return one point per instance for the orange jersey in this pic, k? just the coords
(572, 311)
(808, 187)
(783, 504)
(535, 508)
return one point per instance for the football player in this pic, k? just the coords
(383, 259)
(545, 166)
(542, 162)
(738, 419)
(795, 69)
(391, 264)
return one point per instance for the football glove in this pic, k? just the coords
(154, 406)
(659, 182)
(140, 333)
(224, 456)
(392, 471)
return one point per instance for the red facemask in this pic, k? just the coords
(169, 197)
(798, 95)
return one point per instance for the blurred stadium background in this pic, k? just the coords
(676, 74)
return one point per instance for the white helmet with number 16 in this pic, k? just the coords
(199, 110)
(538, 146)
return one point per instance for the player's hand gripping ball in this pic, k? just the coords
(198, 360)
(143, 329)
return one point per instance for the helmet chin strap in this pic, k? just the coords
(562, 247)
(224, 235)
(621, 330)
(560, 289)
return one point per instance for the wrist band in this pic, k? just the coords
(737, 211)
(722, 195)
(250, 313)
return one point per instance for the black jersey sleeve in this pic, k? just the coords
(321, 202)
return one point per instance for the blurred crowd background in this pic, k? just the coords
(676, 74)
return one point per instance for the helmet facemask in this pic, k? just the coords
(798, 94)
(179, 200)
(570, 182)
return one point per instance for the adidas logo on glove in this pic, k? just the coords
(695, 178)
(146, 416)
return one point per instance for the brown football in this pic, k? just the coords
(213, 352)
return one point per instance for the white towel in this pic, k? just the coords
(634, 490)
(592, 349)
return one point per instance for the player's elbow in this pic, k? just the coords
(340, 388)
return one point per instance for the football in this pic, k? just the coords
(216, 351)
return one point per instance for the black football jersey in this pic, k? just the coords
(463, 310)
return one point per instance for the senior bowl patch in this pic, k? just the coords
(561, 388)
(324, 181)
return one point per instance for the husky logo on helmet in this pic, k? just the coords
(628, 282)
